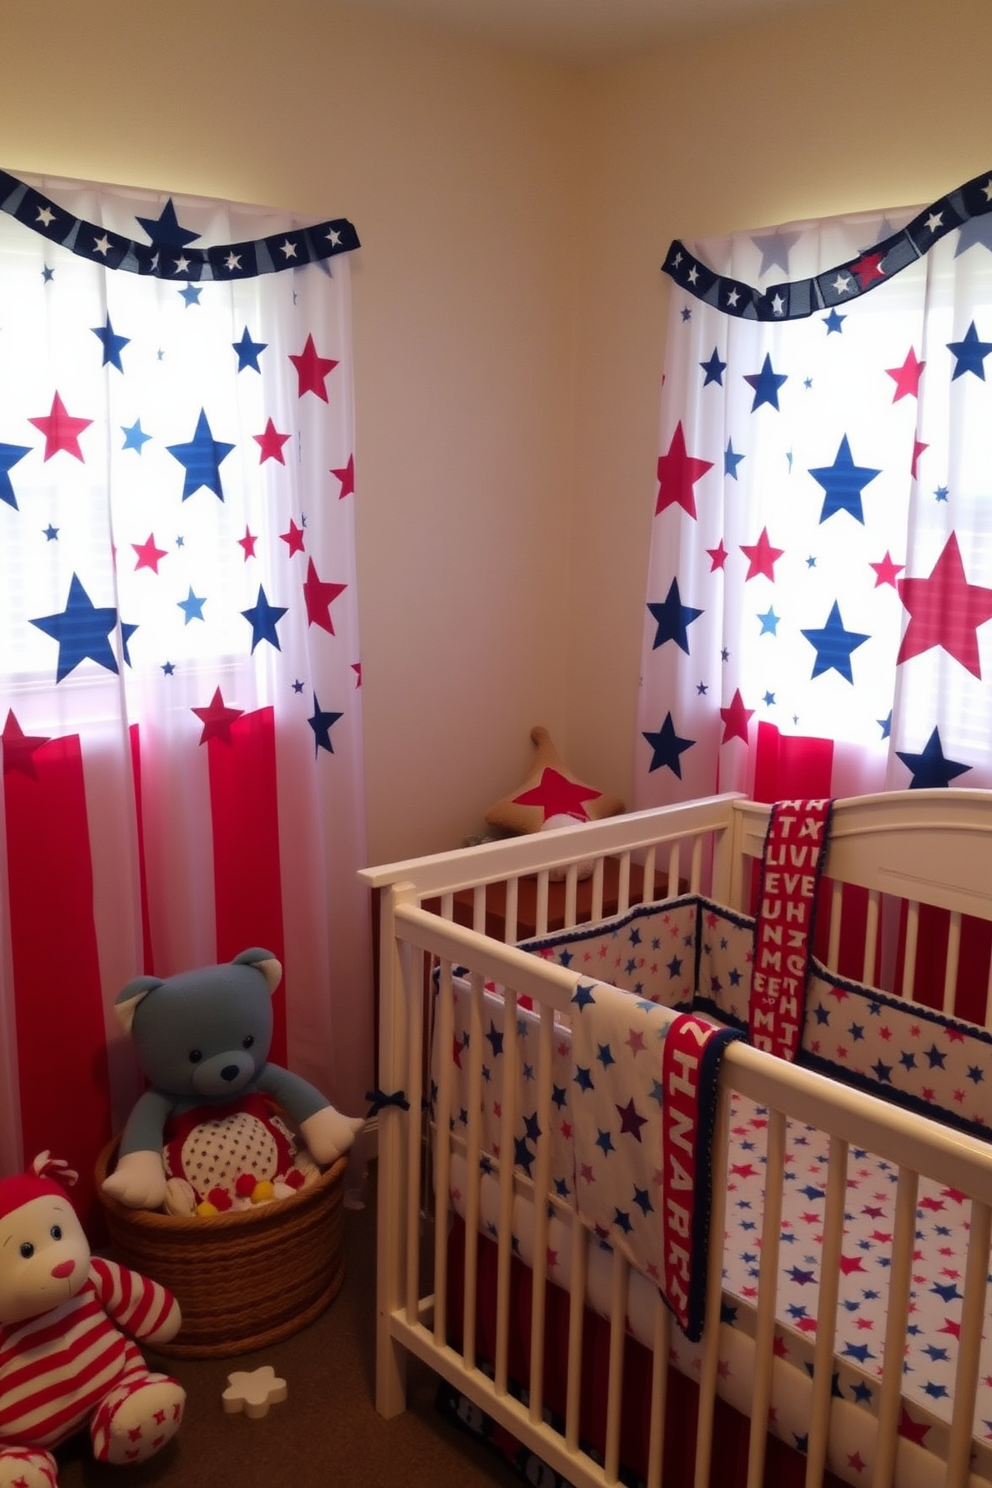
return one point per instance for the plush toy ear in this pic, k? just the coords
(265, 962)
(127, 1000)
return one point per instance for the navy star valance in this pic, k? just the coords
(968, 208)
(169, 254)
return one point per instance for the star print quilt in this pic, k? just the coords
(694, 956)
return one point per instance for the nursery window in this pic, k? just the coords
(821, 565)
(180, 701)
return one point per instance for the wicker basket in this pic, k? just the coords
(245, 1279)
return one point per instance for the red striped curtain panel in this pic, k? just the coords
(820, 573)
(180, 674)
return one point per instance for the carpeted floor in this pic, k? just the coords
(327, 1431)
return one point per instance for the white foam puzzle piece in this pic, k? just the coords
(253, 1391)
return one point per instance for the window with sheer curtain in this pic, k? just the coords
(180, 718)
(820, 579)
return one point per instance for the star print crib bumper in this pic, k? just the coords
(838, 1253)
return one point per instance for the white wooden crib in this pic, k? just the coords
(908, 877)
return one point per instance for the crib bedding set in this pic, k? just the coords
(629, 1159)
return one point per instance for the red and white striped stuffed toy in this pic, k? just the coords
(65, 1363)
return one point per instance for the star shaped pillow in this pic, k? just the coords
(551, 789)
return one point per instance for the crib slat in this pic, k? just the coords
(696, 870)
(508, 1118)
(542, 1180)
(473, 1138)
(576, 1312)
(836, 914)
(571, 894)
(661, 1343)
(826, 1312)
(764, 1340)
(442, 1160)
(714, 1294)
(912, 935)
(900, 1279)
(951, 964)
(969, 1346)
(871, 937)
(623, 885)
(411, 969)
(647, 891)
(541, 909)
(511, 911)
(614, 1388)
(672, 887)
(596, 906)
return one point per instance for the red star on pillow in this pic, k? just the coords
(558, 796)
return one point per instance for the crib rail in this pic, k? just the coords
(412, 1318)
(712, 846)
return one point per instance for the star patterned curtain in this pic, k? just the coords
(820, 575)
(180, 719)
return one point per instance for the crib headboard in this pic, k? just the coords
(922, 861)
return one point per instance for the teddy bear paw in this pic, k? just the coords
(180, 1199)
(137, 1419)
(26, 1467)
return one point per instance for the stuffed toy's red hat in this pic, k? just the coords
(19, 1190)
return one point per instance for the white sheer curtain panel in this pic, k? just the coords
(180, 704)
(820, 579)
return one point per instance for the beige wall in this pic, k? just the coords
(508, 305)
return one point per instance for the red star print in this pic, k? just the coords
(762, 557)
(718, 555)
(630, 1121)
(248, 543)
(735, 719)
(356, 667)
(558, 796)
(677, 474)
(906, 377)
(312, 370)
(945, 610)
(319, 598)
(270, 443)
(918, 448)
(868, 268)
(293, 538)
(886, 572)
(914, 1431)
(19, 747)
(346, 475)
(148, 554)
(217, 719)
(61, 430)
